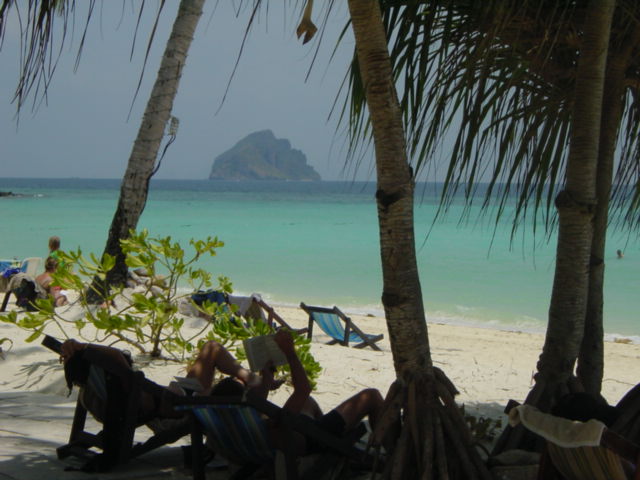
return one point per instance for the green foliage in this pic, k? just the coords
(230, 334)
(148, 319)
(483, 429)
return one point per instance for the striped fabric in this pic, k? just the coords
(331, 324)
(93, 396)
(236, 432)
(586, 463)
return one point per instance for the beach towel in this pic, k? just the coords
(247, 306)
(560, 431)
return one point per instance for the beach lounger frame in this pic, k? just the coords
(272, 318)
(116, 439)
(331, 321)
(238, 432)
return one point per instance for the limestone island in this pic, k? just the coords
(262, 156)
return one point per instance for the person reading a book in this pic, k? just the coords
(213, 356)
(340, 420)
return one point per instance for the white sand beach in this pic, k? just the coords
(488, 367)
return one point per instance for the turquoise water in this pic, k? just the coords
(318, 243)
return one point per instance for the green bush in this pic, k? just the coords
(149, 320)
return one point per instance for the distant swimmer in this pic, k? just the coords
(619, 253)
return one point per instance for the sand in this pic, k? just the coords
(488, 367)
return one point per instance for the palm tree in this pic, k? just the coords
(576, 206)
(143, 159)
(434, 441)
(508, 70)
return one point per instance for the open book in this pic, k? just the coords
(190, 384)
(262, 350)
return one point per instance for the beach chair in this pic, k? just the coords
(271, 317)
(31, 265)
(579, 450)
(237, 430)
(339, 327)
(118, 391)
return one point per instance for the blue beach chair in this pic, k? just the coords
(339, 327)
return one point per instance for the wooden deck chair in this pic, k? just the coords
(274, 320)
(339, 327)
(119, 390)
(236, 428)
(579, 450)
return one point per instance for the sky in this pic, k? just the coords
(84, 129)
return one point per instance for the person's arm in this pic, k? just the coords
(301, 385)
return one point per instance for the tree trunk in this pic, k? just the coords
(142, 161)
(576, 206)
(591, 358)
(433, 440)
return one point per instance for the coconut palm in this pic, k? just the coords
(503, 74)
(143, 161)
(433, 439)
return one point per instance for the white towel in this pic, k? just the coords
(245, 303)
(564, 433)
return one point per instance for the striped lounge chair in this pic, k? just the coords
(113, 395)
(237, 430)
(339, 327)
(579, 450)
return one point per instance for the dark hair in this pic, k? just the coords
(54, 242)
(50, 264)
(583, 406)
(228, 387)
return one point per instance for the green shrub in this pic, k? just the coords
(149, 320)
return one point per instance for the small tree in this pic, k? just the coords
(147, 318)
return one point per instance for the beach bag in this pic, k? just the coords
(26, 295)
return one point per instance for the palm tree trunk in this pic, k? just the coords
(576, 207)
(433, 440)
(135, 184)
(591, 358)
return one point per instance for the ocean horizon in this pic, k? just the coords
(318, 242)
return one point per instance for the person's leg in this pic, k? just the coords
(367, 402)
(212, 356)
(311, 408)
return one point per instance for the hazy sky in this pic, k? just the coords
(82, 130)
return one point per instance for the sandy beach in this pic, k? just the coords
(488, 367)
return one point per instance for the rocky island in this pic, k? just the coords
(262, 156)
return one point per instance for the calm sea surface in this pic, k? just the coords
(318, 243)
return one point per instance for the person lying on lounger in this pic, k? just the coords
(212, 356)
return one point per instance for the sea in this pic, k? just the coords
(318, 242)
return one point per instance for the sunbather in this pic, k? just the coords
(45, 281)
(214, 356)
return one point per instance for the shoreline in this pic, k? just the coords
(487, 366)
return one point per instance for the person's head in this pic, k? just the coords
(582, 406)
(50, 264)
(619, 253)
(54, 243)
(228, 387)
